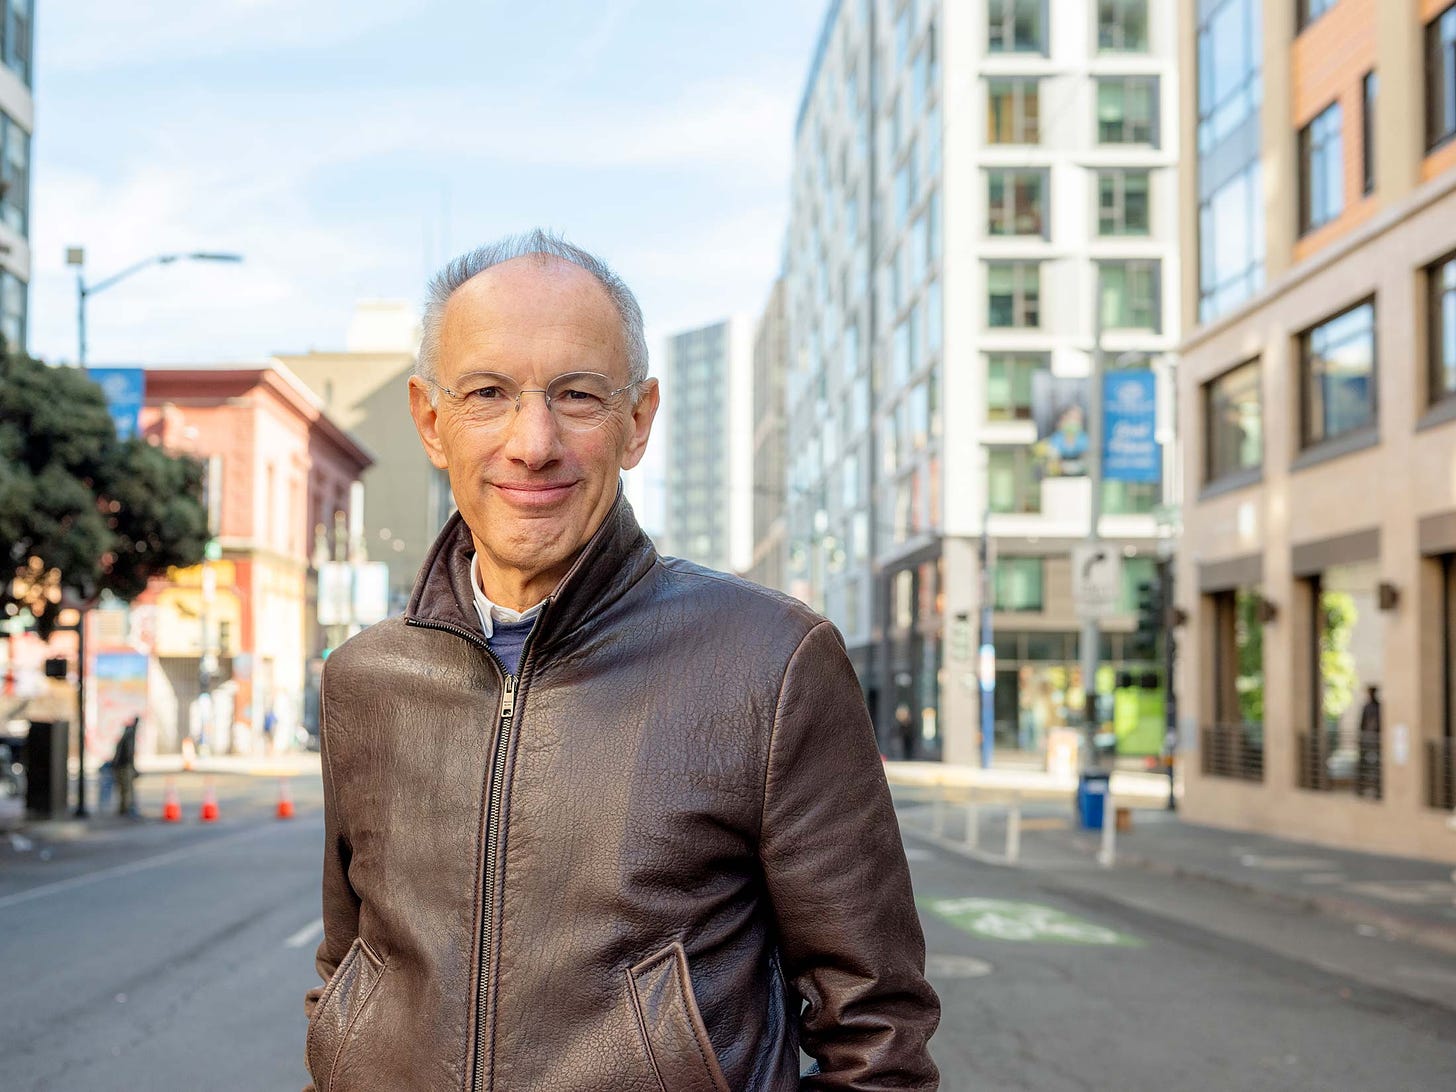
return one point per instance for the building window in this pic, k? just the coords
(14, 175)
(1233, 422)
(1127, 110)
(1016, 201)
(1012, 111)
(1014, 292)
(1321, 170)
(1130, 498)
(1012, 482)
(1341, 750)
(1016, 26)
(1441, 78)
(1230, 198)
(1231, 243)
(13, 311)
(1122, 202)
(1442, 278)
(1131, 294)
(1008, 384)
(1310, 10)
(1122, 26)
(1337, 365)
(1369, 87)
(16, 28)
(1233, 745)
(1018, 584)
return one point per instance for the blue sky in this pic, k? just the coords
(348, 147)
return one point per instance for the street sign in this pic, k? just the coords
(1096, 579)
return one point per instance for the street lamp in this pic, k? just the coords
(76, 256)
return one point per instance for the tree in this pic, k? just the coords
(81, 511)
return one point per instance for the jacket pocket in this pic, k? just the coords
(338, 1009)
(671, 1026)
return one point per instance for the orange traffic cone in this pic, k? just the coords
(285, 800)
(209, 804)
(171, 807)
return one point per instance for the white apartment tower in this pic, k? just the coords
(966, 177)
(706, 380)
(17, 122)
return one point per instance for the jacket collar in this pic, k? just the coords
(618, 554)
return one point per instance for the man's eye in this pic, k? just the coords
(574, 395)
(487, 394)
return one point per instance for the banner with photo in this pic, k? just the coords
(1059, 411)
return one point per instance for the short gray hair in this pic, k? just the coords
(542, 245)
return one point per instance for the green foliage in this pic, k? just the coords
(1337, 663)
(79, 506)
(1249, 641)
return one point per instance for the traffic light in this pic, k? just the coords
(1143, 645)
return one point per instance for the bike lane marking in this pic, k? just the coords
(1024, 922)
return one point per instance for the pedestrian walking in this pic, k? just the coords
(595, 818)
(270, 725)
(124, 772)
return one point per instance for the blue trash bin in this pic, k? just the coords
(1092, 787)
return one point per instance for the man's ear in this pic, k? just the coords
(426, 421)
(641, 427)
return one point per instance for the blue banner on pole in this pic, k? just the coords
(125, 390)
(1130, 451)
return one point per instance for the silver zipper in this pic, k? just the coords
(487, 912)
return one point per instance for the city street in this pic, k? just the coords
(175, 957)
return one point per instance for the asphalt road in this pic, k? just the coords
(160, 957)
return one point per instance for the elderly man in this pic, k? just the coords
(596, 820)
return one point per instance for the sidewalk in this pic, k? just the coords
(1410, 900)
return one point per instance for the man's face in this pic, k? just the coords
(532, 493)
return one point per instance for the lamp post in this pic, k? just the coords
(76, 256)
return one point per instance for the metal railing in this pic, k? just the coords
(1232, 750)
(1441, 773)
(1339, 762)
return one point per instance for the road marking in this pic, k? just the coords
(955, 966)
(306, 934)
(1004, 919)
(135, 866)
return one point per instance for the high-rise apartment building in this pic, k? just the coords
(705, 383)
(17, 122)
(971, 182)
(1317, 388)
(770, 361)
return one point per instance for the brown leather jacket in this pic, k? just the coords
(663, 860)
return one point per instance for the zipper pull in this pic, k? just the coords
(508, 697)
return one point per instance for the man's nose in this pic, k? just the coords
(532, 433)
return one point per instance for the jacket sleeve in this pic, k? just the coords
(849, 936)
(340, 903)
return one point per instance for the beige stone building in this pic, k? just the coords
(365, 389)
(1317, 404)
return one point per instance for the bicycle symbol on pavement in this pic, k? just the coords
(1005, 919)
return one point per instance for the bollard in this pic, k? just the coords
(1013, 829)
(1107, 855)
(973, 826)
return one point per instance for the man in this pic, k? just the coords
(123, 770)
(595, 820)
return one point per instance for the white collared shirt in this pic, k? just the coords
(491, 613)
